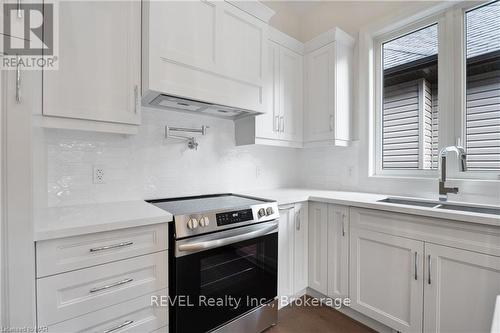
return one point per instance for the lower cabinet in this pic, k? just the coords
(104, 282)
(318, 246)
(137, 315)
(292, 250)
(409, 273)
(300, 274)
(387, 279)
(329, 249)
(338, 251)
(460, 290)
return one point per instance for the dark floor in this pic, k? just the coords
(320, 319)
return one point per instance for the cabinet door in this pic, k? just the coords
(338, 251)
(300, 253)
(285, 250)
(386, 280)
(320, 94)
(460, 290)
(99, 63)
(243, 39)
(185, 32)
(291, 92)
(318, 222)
(268, 123)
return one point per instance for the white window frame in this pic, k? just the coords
(379, 41)
(451, 87)
(461, 88)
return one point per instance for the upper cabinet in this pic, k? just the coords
(328, 93)
(308, 91)
(282, 124)
(97, 84)
(211, 51)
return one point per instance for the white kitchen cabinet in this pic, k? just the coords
(290, 94)
(328, 92)
(301, 226)
(282, 125)
(318, 246)
(285, 250)
(97, 85)
(66, 254)
(292, 250)
(136, 315)
(100, 281)
(204, 50)
(65, 296)
(265, 126)
(338, 251)
(460, 289)
(386, 278)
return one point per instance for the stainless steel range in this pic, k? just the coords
(223, 263)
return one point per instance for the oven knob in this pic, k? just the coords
(192, 224)
(269, 211)
(261, 212)
(204, 221)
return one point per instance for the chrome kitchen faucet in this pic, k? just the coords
(462, 157)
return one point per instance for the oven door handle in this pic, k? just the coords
(199, 246)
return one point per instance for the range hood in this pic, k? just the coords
(169, 102)
(206, 58)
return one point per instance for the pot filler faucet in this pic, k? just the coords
(462, 158)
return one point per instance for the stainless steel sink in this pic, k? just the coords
(473, 209)
(401, 201)
(441, 205)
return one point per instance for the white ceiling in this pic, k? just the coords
(301, 7)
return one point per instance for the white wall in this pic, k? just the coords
(146, 166)
(349, 15)
(2, 214)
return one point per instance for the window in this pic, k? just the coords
(412, 122)
(409, 110)
(482, 116)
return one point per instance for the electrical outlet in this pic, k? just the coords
(98, 175)
(258, 172)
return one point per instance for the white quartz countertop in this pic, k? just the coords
(369, 200)
(58, 222)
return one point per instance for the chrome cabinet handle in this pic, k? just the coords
(276, 123)
(331, 123)
(297, 224)
(126, 323)
(429, 270)
(136, 98)
(19, 11)
(416, 259)
(343, 224)
(115, 284)
(112, 246)
(18, 81)
(282, 124)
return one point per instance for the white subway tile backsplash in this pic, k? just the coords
(147, 165)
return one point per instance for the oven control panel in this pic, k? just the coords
(234, 217)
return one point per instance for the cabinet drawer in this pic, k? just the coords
(136, 315)
(67, 254)
(69, 295)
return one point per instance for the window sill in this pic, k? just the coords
(471, 178)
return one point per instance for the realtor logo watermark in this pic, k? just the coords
(30, 36)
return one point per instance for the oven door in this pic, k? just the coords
(235, 269)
